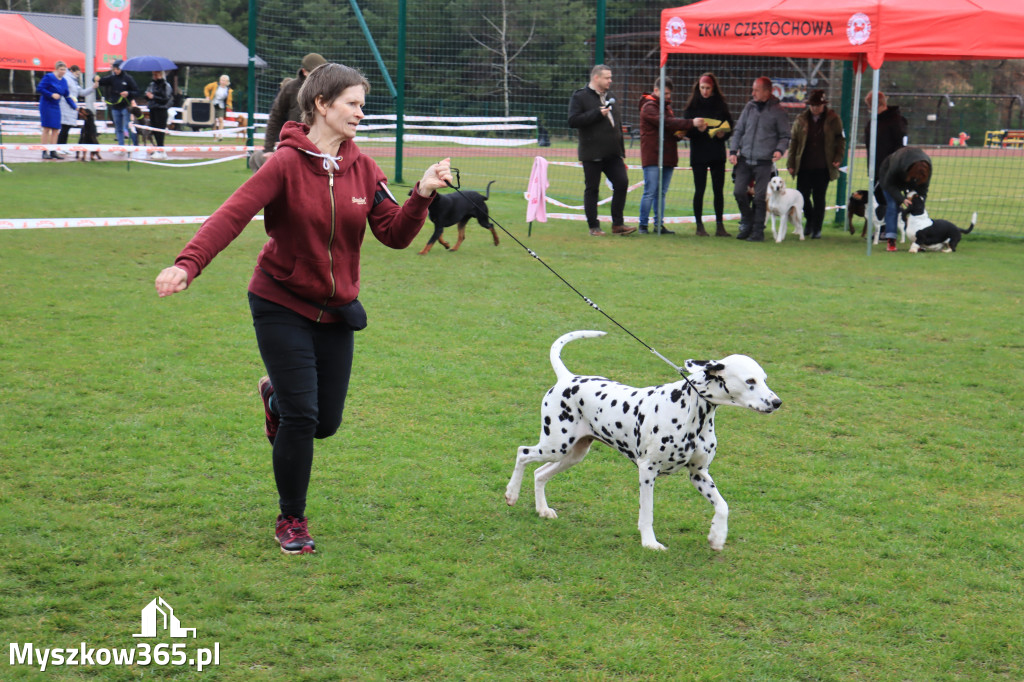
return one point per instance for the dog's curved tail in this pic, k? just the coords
(488, 194)
(556, 350)
(974, 219)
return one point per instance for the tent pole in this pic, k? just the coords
(661, 149)
(851, 147)
(90, 52)
(872, 150)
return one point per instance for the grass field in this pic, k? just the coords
(875, 531)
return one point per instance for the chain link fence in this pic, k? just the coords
(498, 59)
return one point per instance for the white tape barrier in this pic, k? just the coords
(59, 223)
(124, 148)
(577, 164)
(631, 219)
(556, 202)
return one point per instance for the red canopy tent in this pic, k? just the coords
(24, 47)
(877, 30)
(865, 31)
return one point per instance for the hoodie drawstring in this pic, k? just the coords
(330, 162)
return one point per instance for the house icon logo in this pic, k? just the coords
(159, 612)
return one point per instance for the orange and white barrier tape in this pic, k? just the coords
(56, 223)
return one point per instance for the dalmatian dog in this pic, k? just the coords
(787, 205)
(661, 429)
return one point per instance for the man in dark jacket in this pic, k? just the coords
(650, 131)
(119, 91)
(760, 139)
(600, 149)
(285, 108)
(892, 136)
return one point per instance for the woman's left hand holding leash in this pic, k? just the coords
(435, 177)
(171, 280)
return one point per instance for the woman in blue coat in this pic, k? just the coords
(52, 88)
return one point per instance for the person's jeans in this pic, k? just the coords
(121, 118)
(892, 214)
(650, 197)
(309, 364)
(615, 170)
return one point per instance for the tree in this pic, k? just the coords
(505, 50)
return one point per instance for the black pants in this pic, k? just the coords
(700, 182)
(752, 209)
(614, 168)
(62, 136)
(158, 119)
(813, 185)
(309, 364)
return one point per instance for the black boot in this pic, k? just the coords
(756, 235)
(701, 232)
(744, 232)
(720, 230)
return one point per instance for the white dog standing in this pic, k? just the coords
(661, 429)
(787, 205)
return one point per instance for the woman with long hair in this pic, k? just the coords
(707, 148)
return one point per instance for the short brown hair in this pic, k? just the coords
(326, 82)
(657, 84)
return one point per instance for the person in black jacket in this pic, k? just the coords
(160, 95)
(119, 91)
(707, 148)
(600, 148)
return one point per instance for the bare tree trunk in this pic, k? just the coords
(504, 40)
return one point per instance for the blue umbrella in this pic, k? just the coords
(148, 63)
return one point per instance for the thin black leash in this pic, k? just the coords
(680, 370)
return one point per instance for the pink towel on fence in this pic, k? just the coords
(536, 196)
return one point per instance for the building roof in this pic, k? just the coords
(185, 44)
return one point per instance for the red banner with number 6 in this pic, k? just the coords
(112, 32)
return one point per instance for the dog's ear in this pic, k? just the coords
(707, 366)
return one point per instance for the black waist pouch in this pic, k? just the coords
(353, 313)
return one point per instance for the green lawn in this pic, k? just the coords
(875, 529)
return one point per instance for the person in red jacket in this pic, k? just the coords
(650, 122)
(318, 193)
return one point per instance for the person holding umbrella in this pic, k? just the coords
(160, 95)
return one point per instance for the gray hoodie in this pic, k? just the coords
(763, 128)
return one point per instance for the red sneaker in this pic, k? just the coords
(272, 420)
(293, 535)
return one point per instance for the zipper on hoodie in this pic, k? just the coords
(330, 244)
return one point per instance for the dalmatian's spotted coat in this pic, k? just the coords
(661, 429)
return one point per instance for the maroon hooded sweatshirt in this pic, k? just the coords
(650, 115)
(316, 219)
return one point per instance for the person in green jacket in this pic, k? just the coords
(816, 149)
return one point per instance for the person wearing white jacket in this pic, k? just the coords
(69, 116)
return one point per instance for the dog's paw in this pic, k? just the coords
(716, 541)
(654, 544)
(511, 498)
(547, 513)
